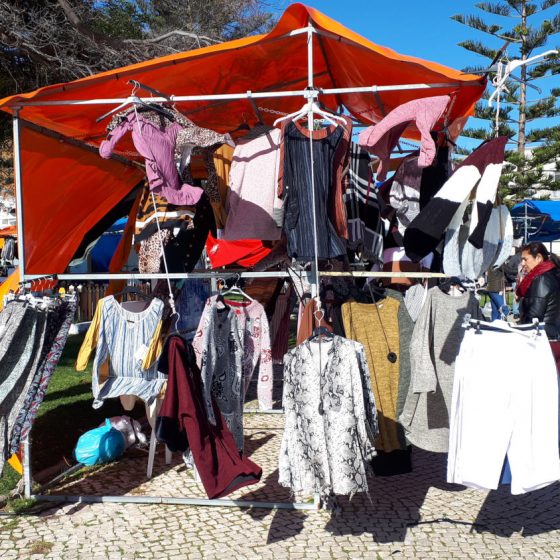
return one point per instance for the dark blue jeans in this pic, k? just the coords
(497, 301)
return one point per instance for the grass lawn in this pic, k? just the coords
(64, 415)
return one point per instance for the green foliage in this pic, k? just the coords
(523, 173)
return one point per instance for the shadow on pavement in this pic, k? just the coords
(535, 513)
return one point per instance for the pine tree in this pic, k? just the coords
(519, 116)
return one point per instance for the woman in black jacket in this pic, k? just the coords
(539, 291)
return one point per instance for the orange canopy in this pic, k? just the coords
(10, 231)
(75, 183)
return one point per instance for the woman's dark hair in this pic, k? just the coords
(535, 248)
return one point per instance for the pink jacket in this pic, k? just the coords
(157, 146)
(380, 139)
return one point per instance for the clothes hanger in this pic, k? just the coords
(235, 290)
(446, 285)
(135, 100)
(320, 331)
(133, 290)
(311, 106)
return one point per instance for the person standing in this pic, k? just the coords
(539, 291)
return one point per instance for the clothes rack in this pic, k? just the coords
(311, 95)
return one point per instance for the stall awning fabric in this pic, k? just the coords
(543, 220)
(10, 231)
(274, 62)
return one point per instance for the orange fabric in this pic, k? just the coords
(264, 62)
(10, 284)
(10, 231)
(66, 188)
(66, 191)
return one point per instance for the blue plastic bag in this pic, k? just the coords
(100, 445)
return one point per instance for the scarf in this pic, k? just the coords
(541, 268)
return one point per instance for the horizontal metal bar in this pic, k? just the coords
(399, 87)
(244, 95)
(230, 274)
(258, 411)
(220, 502)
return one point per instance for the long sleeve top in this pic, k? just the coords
(155, 143)
(435, 343)
(378, 331)
(126, 345)
(381, 138)
(253, 180)
(481, 169)
(330, 418)
(219, 354)
(254, 334)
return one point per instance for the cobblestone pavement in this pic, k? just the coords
(415, 516)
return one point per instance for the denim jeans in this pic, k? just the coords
(497, 301)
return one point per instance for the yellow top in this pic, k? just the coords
(90, 343)
(366, 325)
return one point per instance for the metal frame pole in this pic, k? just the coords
(27, 467)
(19, 191)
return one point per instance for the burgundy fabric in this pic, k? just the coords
(182, 421)
(525, 284)
(555, 345)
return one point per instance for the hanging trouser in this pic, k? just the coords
(505, 401)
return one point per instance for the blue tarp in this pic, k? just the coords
(543, 220)
(105, 248)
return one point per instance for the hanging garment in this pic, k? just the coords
(365, 226)
(209, 180)
(244, 252)
(396, 260)
(169, 216)
(254, 335)
(222, 164)
(414, 298)
(378, 331)
(219, 354)
(331, 418)
(151, 249)
(8, 251)
(124, 343)
(254, 209)
(435, 175)
(381, 138)
(280, 324)
(154, 138)
(404, 196)
(435, 343)
(56, 333)
(307, 321)
(183, 249)
(505, 402)
(297, 191)
(19, 359)
(481, 169)
(190, 305)
(183, 424)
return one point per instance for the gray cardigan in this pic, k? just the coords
(435, 343)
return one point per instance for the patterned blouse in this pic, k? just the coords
(219, 353)
(254, 334)
(331, 418)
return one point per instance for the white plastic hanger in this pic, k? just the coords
(312, 107)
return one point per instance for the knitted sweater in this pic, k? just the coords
(434, 346)
(254, 209)
(482, 169)
(365, 325)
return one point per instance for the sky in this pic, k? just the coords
(423, 28)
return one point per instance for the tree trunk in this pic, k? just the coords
(523, 86)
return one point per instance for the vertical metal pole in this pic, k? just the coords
(525, 235)
(27, 467)
(315, 284)
(19, 191)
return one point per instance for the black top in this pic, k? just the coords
(542, 301)
(298, 206)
